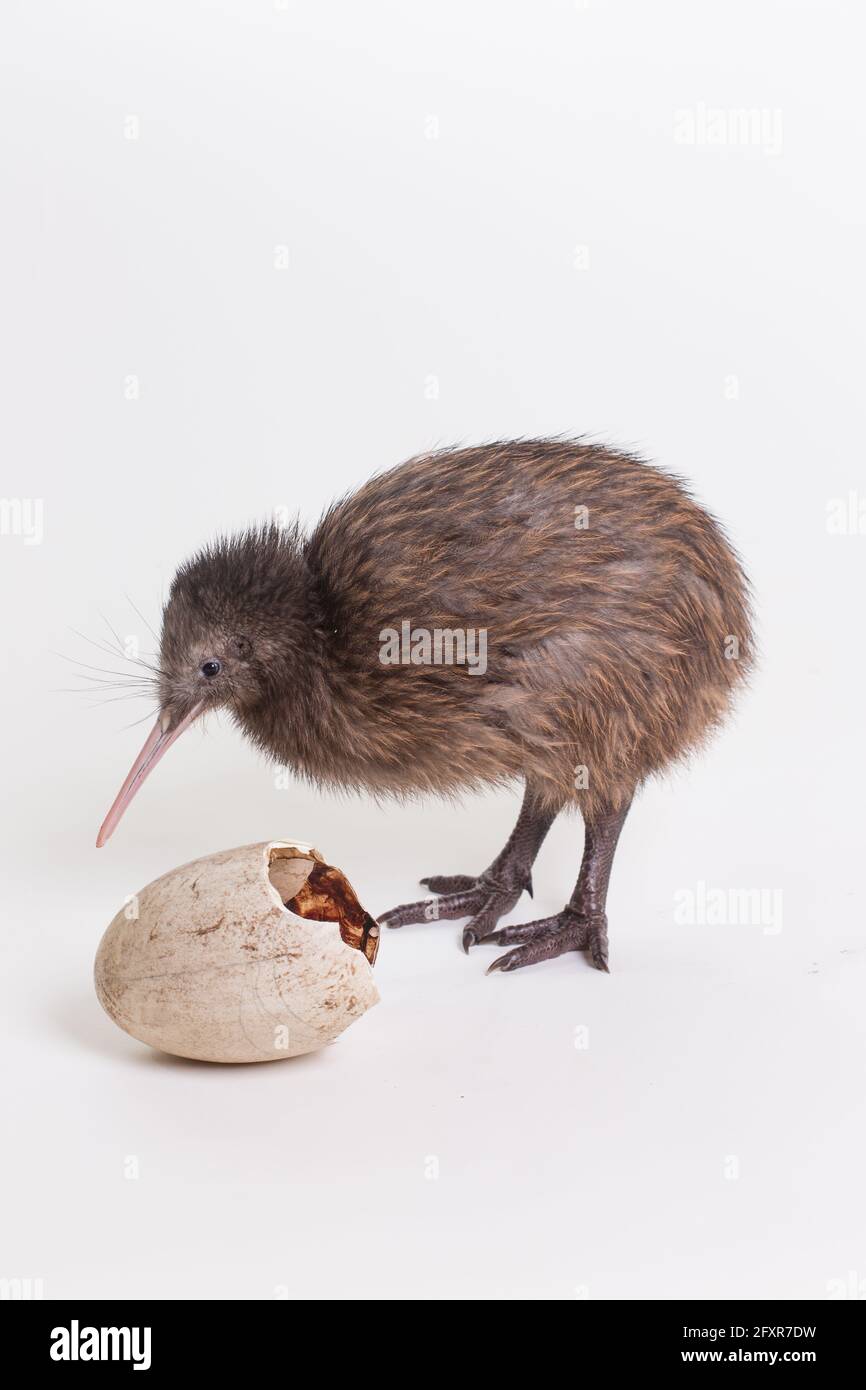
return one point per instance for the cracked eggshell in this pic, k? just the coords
(207, 962)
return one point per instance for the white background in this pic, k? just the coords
(550, 257)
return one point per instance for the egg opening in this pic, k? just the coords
(318, 892)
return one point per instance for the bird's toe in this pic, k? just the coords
(445, 908)
(596, 942)
(551, 937)
(483, 924)
(544, 946)
(524, 931)
(449, 883)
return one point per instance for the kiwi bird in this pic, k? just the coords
(547, 612)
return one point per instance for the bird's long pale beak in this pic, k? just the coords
(161, 738)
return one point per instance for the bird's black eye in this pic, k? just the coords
(211, 668)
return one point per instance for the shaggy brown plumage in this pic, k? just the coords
(616, 619)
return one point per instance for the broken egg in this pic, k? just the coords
(249, 955)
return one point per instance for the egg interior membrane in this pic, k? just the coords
(319, 892)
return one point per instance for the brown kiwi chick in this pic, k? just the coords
(616, 622)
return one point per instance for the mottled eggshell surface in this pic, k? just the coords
(209, 962)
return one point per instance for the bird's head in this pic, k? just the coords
(228, 641)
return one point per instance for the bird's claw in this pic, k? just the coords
(483, 903)
(551, 937)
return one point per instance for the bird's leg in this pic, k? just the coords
(582, 924)
(489, 896)
(512, 867)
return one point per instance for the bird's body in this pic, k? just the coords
(612, 614)
(608, 600)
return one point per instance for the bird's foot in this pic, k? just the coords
(568, 930)
(483, 900)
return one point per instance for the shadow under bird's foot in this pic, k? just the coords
(550, 937)
(483, 900)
